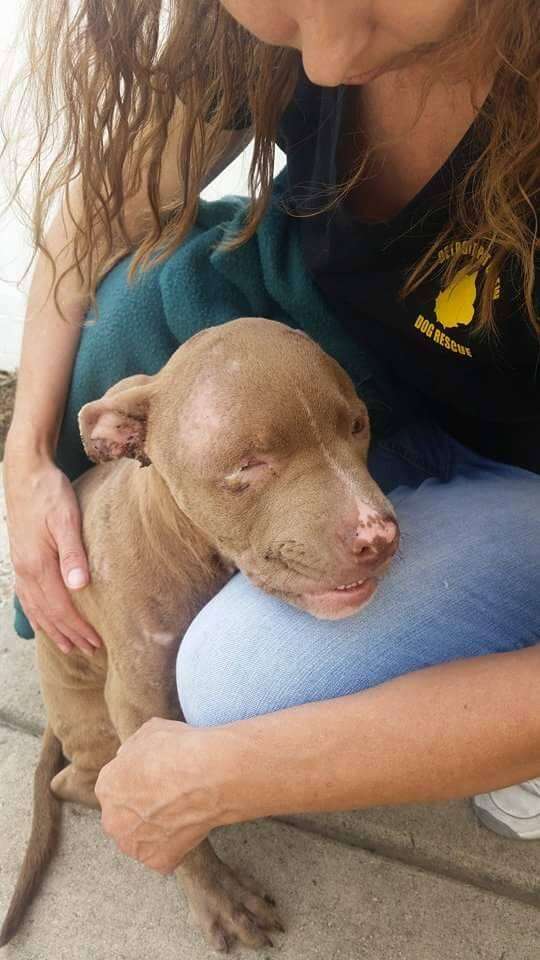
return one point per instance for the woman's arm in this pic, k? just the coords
(43, 515)
(42, 386)
(443, 732)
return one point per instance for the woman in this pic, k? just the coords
(411, 136)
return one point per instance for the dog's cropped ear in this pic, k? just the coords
(115, 426)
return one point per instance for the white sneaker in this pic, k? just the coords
(513, 812)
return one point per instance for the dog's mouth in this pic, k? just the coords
(340, 601)
(347, 587)
(333, 603)
(322, 598)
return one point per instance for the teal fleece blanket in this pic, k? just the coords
(139, 325)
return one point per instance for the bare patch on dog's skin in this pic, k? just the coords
(202, 415)
(101, 568)
(369, 519)
(234, 366)
(162, 638)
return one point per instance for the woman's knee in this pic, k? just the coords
(462, 588)
(247, 653)
(232, 661)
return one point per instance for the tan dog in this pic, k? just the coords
(254, 444)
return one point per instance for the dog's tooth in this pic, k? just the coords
(348, 586)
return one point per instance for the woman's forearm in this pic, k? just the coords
(447, 731)
(51, 337)
(443, 732)
(48, 349)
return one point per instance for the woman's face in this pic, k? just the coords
(348, 41)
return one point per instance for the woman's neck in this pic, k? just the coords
(410, 128)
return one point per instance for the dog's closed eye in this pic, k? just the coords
(249, 471)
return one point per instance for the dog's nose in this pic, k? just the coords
(375, 538)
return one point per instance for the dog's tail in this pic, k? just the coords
(43, 835)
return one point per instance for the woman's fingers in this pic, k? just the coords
(51, 609)
(65, 528)
(62, 611)
(58, 609)
(44, 526)
(152, 801)
(30, 599)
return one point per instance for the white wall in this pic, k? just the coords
(15, 244)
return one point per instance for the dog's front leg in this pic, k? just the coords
(226, 906)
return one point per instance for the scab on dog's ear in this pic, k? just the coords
(115, 426)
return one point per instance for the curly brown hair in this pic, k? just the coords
(102, 82)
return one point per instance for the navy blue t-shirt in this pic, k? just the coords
(485, 392)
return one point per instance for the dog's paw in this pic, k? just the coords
(76, 786)
(229, 907)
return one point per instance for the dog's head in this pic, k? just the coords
(262, 441)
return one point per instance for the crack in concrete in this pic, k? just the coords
(9, 722)
(416, 859)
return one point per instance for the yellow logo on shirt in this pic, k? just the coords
(454, 306)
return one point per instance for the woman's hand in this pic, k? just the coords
(160, 796)
(48, 556)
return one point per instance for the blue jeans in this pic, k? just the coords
(467, 582)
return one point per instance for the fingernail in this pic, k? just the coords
(76, 578)
(95, 643)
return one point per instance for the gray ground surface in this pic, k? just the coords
(408, 883)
